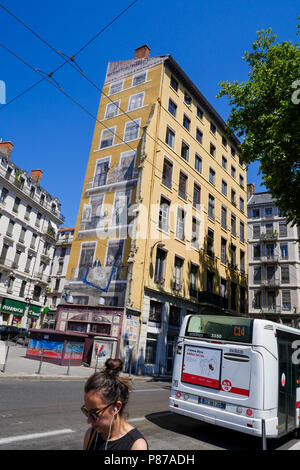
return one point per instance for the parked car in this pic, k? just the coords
(12, 332)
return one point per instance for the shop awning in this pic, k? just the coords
(13, 306)
(34, 311)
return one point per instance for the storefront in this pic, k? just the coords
(13, 312)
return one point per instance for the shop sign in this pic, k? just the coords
(12, 306)
(34, 311)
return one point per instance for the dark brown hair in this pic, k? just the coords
(109, 384)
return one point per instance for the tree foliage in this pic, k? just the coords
(265, 115)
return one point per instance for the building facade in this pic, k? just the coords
(274, 262)
(29, 221)
(59, 265)
(164, 201)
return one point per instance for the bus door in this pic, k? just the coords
(287, 384)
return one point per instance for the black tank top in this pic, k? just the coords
(96, 442)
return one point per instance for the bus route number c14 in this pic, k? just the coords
(239, 331)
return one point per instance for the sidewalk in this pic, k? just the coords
(19, 366)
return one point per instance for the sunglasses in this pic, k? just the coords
(94, 414)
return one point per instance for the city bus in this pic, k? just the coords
(239, 373)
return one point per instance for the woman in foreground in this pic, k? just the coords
(106, 396)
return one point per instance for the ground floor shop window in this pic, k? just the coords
(151, 346)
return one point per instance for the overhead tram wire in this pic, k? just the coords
(77, 68)
(58, 52)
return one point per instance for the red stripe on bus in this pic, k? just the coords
(240, 391)
(297, 404)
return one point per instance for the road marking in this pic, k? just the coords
(295, 446)
(25, 437)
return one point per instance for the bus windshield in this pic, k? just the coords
(219, 327)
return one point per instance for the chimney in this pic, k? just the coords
(6, 148)
(142, 52)
(36, 176)
(250, 190)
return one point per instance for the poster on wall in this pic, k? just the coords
(102, 350)
(201, 366)
(74, 351)
(52, 349)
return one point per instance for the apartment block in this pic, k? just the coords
(274, 262)
(29, 220)
(55, 290)
(164, 201)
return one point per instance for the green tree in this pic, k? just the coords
(265, 115)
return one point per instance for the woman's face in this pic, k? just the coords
(93, 401)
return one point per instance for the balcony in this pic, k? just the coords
(269, 236)
(270, 283)
(212, 299)
(269, 259)
(120, 178)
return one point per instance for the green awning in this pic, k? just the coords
(12, 306)
(34, 311)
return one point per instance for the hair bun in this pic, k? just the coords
(113, 366)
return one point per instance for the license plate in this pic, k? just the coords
(214, 403)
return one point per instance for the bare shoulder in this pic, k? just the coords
(86, 438)
(140, 444)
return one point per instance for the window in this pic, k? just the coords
(213, 128)
(139, 78)
(210, 281)
(224, 162)
(197, 196)
(101, 173)
(199, 135)
(178, 269)
(131, 130)
(124, 170)
(186, 122)
(114, 255)
(210, 243)
(233, 225)
(242, 232)
(233, 171)
(233, 197)
(242, 204)
(167, 173)
(257, 275)
(22, 290)
(242, 299)
(185, 151)
(223, 285)
(255, 213)
(193, 280)
(212, 150)
(116, 87)
(232, 151)
(187, 99)
(198, 163)
(180, 229)
(170, 137)
(172, 107)
(284, 251)
(242, 262)
(199, 113)
(285, 275)
(174, 83)
(286, 300)
(257, 299)
(160, 264)
(224, 188)
(112, 109)
(16, 205)
(269, 229)
(282, 230)
(241, 181)
(256, 231)
(107, 137)
(182, 185)
(211, 206)
(136, 101)
(174, 317)
(224, 141)
(10, 228)
(86, 259)
(224, 217)
(212, 176)
(233, 257)
(22, 235)
(164, 213)
(4, 195)
(151, 347)
(256, 251)
(268, 211)
(223, 251)
(120, 208)
(195, 233)
(155, 314)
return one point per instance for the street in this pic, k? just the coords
(45, 415)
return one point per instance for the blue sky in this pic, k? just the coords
(207, 39)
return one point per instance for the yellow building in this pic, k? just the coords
(164, 198)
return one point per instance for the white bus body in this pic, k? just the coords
(238, 373)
